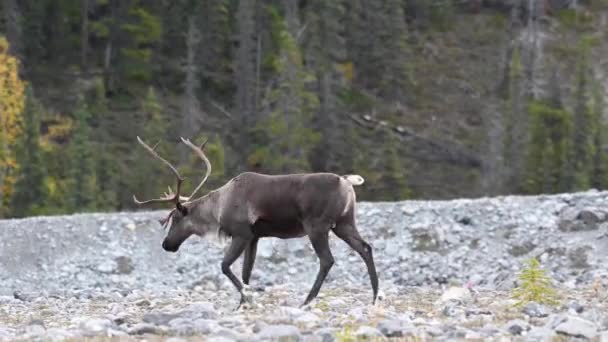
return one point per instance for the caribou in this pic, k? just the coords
(252, 205)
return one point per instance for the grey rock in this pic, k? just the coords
(58, 334)
(576, 307)
(576, 327)
(280, 332)
(35, 330)
(124, 265)
(145, 328)
(534, 309)
(456, 294)
(393, 328)
(367, 331)
(579, 257)
(517, 327)
(541, 334)
(326, 334)
(95, 325)
(426, 239)
(159, 318)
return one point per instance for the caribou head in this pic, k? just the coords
(185, 218)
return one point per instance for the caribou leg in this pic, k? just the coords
(320, 244)
(349, 234)
(249, 260)
(237, 246)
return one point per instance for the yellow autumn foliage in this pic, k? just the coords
(12, 102)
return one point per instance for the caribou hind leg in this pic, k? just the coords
(249, 259)
(320, 244)
(348, 232)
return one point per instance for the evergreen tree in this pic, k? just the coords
(286, 132)
(548, 151)
(515, 123)
(578, 177)
(106, 169)
(30, 191)
(146, 176)
(393, 173)
(326, 55)
(599, 172)
(143, 30)
(81, 183)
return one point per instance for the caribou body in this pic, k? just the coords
(252, 205)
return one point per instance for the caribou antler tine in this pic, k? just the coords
(170, 197)
(201, 154)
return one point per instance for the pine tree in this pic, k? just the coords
(578, 178)
(516, 123)
(30, 191)
(106, 168)
(81, 183)
(325, 49)
(599, 171)
(535, 286)
(286, 132)
(547, 154)
(147, 177)
(393, 176)
(143, 30)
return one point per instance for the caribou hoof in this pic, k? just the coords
(246, 298)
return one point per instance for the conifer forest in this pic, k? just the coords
(426, 99)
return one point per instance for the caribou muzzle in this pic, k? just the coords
(170, 247)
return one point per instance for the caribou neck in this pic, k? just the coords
(204, 211)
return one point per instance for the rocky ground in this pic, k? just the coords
(446, 271)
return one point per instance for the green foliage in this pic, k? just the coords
(393, 172)
(535, 286)
(144, 175)
(144, 31)
(547, 159)
(583, 135)
(599, 169)
(286, 134)
(347, 334)
(106, 169)
(30, 191)
(81, 183)
(441, 14)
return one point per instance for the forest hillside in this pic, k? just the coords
(424, 99)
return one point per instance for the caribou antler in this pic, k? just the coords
(199, 151)
(168, 197)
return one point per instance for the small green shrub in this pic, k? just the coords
(535, 286)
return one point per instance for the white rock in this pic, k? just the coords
(457, 294)
(576, 326)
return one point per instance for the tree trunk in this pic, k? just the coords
(191, 105)
(84, 34)
(12, 16)
(245, 73)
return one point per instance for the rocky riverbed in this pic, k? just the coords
(446, 270)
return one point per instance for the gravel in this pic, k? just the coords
(446, 270)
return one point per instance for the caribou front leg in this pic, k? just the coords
(249, 260)
(237, 246)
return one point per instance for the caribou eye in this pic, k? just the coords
(184, 211)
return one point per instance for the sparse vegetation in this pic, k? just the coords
(535, 286)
